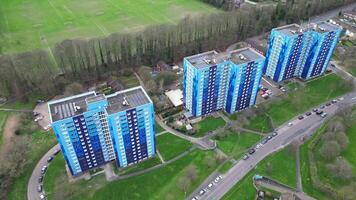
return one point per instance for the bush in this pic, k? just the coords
(341, 169)
(330, 149)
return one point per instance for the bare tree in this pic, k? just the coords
(330, 149)
(341, 169)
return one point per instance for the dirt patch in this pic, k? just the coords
(10, 127)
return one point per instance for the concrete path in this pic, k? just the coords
(298, 173)
(160, 156)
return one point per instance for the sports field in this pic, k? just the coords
(31, 24)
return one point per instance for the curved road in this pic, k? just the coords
(299, 130)
(32, 193)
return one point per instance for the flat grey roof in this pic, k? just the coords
(69, 107)
(290, 29)
(244, 55)
(323, 27)
(76, 105)
(210, 58)
(127, 99)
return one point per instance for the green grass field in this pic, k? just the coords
(261, 123)
(158, 127)
(171, 146)
(139, 167)
(158, 184)
(28, 25)
(236, 145)
(208, 124)
(283, 169)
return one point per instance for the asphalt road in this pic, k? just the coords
(32, 193)
(299, 130)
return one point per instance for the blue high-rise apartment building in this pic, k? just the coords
(221, 81)
(321, 42)
(94, 129)
(296, 51)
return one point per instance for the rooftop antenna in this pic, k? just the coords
(125, 102)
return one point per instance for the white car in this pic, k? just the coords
(42, 196)
(210, 185)
(259, 145)
(290, 124)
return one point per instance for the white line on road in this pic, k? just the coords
(268, 82)
(353, 98)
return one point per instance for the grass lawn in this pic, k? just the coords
(3, 117)
(158, 127)
(41, 142)
(314, 93)
(138, 167)
(261, 123)
(171, 146)
(282, 169)
(225, 167)
(235, 145)
(208, 124)
(158, 184)
(350, 152)
(57, 167)
(29, 25)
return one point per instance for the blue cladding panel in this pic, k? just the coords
(245, 89)
(230, 93)
(210, 91)
(292, 63)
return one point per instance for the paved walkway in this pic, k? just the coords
(299, 176)
(160, 156)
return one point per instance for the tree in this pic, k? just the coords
(191, 172)
(342, 140)
(330, 149)
(336, 125)
(341, 169)
(210, 162)
(74, 88)
(184, 183)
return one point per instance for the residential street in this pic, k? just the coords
(299, 130)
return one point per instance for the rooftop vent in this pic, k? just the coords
(125, 102)
(242, 57)
(293, 31)
(322, 29)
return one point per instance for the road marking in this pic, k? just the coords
(268, 82)
(353, 98)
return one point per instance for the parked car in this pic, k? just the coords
(42, 196)
(290, 124)
(269, 137)
(300, 117)
(49, 159)
(328, 104)
(274, 134)
(334, 101)
(251, 151)
(57, 152)
(322, 107)
(210, 185)
(308, 113)
(40, 179)
(319, 112)
(245, 157)
(44, 169)
(323, 115)
(315, 110)
(39, 188)
(259, 145)
(201, 192)
(264, 141)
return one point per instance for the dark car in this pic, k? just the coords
(319, 112)
(308, 113)
(315, 110)
(328, 104)
(269, 137)
(40, 179)
(334, 101)
(300, 117)
(49, 159)
(57, 152)
(251, 151)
